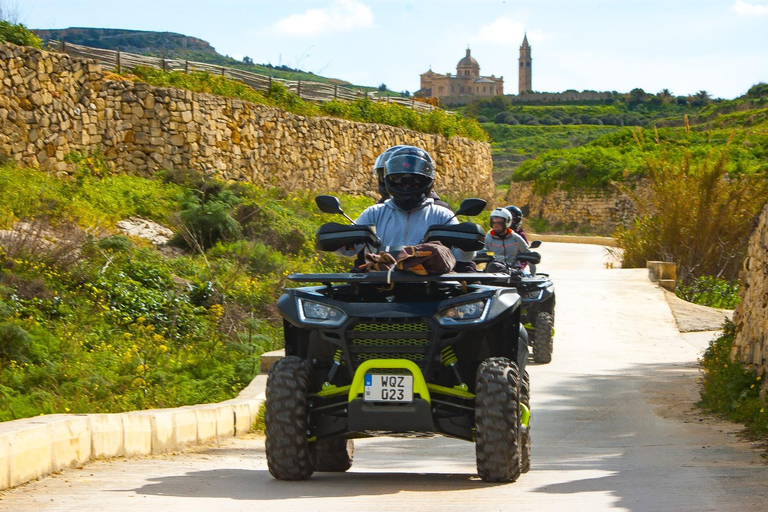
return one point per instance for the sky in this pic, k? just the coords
(719, 46)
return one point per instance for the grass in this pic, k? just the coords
(94, 321)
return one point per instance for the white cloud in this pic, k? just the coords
(741, 7)
(506, 32)
(340, 16)
(502, 31)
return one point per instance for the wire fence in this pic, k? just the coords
(306, 90)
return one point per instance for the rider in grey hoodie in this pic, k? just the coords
(405, 217)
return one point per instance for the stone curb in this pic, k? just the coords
(573, 239)
(34, 447)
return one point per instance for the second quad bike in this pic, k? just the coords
(537, 292)
(381, 353)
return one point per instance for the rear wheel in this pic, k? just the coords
(332, 455)
(497, 421)
(286, 420)
(542, 338)
(525, 399)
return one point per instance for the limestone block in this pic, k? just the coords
(207, 420)
(70, 439)
(138, 434)
(5, 461)
(30, 454)
(107, 437)
(185, 426)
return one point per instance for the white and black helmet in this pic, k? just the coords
(501, 213)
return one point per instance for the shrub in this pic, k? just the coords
(18, 34)
(729, 388)
(698, 214)
(710, 291)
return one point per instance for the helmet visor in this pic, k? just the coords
(409, 164)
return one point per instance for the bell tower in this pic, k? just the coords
(525, 83)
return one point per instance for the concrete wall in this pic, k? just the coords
(52, 104)
(751, 315)
(596, 211)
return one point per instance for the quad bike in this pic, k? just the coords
(538, 302)
(382, 353)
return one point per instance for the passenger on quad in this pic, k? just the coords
(405, 217)
(504, 243)
(517, 221)
(379, 169)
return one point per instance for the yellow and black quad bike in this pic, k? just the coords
(385, 353)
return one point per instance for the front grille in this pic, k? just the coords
(388, 339)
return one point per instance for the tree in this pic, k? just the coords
(636, 97)
(700, 99)
(758, 91)
(247, 60)
(382, 87)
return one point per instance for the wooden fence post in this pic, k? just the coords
(63, 46)
(298, 89)
(162, 63)
(118, 61)
(186, 66)
(335, 91)
(269, 90)
(222, 71)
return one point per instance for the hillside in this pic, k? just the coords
(621, 153)
(521, 132)
(171, 45)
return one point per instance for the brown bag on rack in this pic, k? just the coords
(426, 259)
(376, 262)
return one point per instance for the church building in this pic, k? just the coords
(466, 82)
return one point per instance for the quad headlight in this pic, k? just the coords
(312, 312)
(462, 314)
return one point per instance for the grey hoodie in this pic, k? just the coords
(397, 228)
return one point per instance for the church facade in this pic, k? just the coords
(466, 82)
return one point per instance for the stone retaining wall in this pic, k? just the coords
(52, 104)
(751, 315)
(595, 211)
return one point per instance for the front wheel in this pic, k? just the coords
(332, 455)
(497, 420)
(542, 338)
(286, 421)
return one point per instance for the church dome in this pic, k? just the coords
(468, 62)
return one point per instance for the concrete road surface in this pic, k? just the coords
(614, 428)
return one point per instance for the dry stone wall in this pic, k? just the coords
(751, 315)
(594, 211)
(52, 104)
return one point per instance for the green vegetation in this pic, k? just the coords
(362, 110)
(729, 388)
(94, 321)
(698, 212)
(714, 292)
(18, 34)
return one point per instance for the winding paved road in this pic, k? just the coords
(614, 428)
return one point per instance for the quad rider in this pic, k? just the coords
(379, 168)
(517, 221)
(504, 243)
(405, 217)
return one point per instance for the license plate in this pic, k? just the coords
(388, 388)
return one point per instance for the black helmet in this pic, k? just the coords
(409, 175)
(517, 215)
(379, 168)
